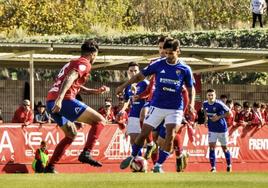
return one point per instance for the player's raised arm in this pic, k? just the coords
(135, 79)
(95, 91)
(67, 83)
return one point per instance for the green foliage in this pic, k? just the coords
(255, 78)
(257, 38)
(54, 17)
(41, 16)
(134, 22)
(62, 16)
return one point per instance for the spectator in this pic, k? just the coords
(1, 118)
(258, 8)
(107, 112)
(41, 115)
(121, 116)
(119, 107)
(257, 119)
(231, 118)
(237, 110)
(41, 158)
(223, 98)
(245, 116)
(264, 112)
(24, 114)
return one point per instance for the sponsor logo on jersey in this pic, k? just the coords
(169, 89)
(82, 67)
(170, 81)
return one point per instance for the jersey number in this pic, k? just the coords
(61, 73)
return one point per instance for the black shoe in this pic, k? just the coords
(126, 162)
(179, 164)
(50, 169)
(229, 169)
(213, 170)
(85, 157)
(149, 151)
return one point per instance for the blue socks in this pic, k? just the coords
(163, 155)
(212, 158)
(136, 150)
(228, 157)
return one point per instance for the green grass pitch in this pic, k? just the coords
(133, 180)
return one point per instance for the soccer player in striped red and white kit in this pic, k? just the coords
(66, 110)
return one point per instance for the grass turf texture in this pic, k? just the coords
(133, 180)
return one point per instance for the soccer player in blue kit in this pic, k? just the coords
(215, 113)
(133, 126)
(167, 104)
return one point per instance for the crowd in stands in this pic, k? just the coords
(25, 115)
(114, 114)
(246, 114)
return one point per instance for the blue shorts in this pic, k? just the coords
(70, 111)
(161, 130)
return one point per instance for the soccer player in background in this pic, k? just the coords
(66, 110)
(133, 125)
(215, 113)
(170, 75)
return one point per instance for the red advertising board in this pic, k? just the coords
(17, 146)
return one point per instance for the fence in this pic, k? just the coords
(12, 92)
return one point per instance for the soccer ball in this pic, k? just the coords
(139, 164)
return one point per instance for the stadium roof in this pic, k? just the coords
(116, 57)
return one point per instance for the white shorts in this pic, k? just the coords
(133, 125)
(156, 115)
(221, 137)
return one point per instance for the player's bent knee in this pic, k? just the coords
(99, 119)
(70, 129)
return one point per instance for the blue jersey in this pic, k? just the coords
(217, 108)
(169, 79)
(136, 106)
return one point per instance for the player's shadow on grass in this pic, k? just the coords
(12, 167)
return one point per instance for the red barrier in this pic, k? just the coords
(248, 146)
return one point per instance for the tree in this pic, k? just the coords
(258, 78)
(41, 16)
(79, 16)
